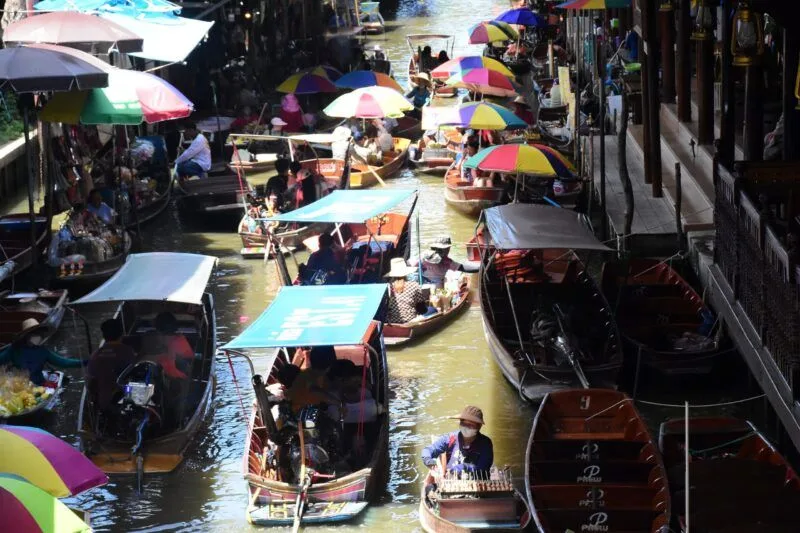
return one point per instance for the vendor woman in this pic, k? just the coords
(99, 208)
(436, 263)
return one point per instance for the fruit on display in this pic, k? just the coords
(18, 394)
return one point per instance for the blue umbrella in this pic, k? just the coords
(522, 16)
(133, 8)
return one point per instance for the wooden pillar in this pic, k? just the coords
(683, 79)
(652, 118)
(705, 91)
(754, 114)
(667, 36)
(727, 136)
(791, 118)
(645, 61)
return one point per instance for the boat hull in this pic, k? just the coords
(15, 237)
(149, 212)
(361, 178)
(93, 273)
(213, 196)
(418, 330)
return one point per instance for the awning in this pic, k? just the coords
(167, 38)
(158, 276)
(325, 315)
(347, 206)
(532, 227)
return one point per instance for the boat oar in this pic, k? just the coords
(369, 168)
(299, 507)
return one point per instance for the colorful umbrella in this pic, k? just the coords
(47, 462)
(594, 4)
(307, 83)
(456, 65)
(28, 508)
(369, 102)
(521, 16)
(520, 159)
(367, 78)
(324, 70)
(132, 97)
(482, 116)
(26, 69)
(484, 81)
(491, 31)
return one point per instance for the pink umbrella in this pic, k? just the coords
(76, 30)
(484, 81)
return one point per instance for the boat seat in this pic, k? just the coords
(730, 472)
(606, 497)
(577, 449)
(352, 353)
(623, 520)
(651, 291)
(574, 472)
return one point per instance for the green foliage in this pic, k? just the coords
(10, 119)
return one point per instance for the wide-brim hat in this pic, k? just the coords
(442, 243)
(521, 101)
(471, 414)
(28, 327)
(423, 78)
(399, 269)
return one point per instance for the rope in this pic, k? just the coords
(702, 406)
(238, 389)
(723, 445)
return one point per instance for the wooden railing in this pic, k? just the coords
(758, 267)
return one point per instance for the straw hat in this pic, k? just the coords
(521, 100)
(421, 78)
(398, 268)
(471, 414)
(28, 324)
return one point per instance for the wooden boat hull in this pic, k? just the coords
(213, 195)
(254, 244)
(164, 453)
(149, 212)
(654, 303)
(533, 382)
(360, 177)
(13, 313)
(15, 238)
(467, 199)
(93, 273)
(433, 523)
(591, 463)
(419, 329)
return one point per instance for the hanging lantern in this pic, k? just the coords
(747, 39)
(666, 5)
(703, 22)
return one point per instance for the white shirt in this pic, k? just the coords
(198, 151)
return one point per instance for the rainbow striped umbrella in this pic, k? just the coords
(369, 102)
(456, 65)
(325, 71)
(28, 508)
(307, 83)
(491, 31)
(47, 461)
(482, 116)
(367, 78)
(594, 4)
(521, 159)
(484, 81)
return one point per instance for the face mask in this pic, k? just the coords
(35, 340)
(467, 433)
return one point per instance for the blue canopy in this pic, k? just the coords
(324, 315)
(347, 206)
(132, 8)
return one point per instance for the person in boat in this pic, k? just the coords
(245, 117)
(384, 138)
(327, 260)
(279, 183)
(172, 350)
(27, 353)
(311, 386)
(368, 149)
(378, 54)
(468, 150)
(196, 159)
(426, 62)
(466, 450)
(99, 208)
(388, 123)
(340, 146)
(106, 364)
(436, 263)
(406, 298)
(523, 110)
(421, 93)
(292, 114)
(442, 58)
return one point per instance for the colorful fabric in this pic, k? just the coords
(369, 102)
(482, 116)
(367, 78)
(307, 83)
(491, 31)
(535, 160)
(30, 509)
(456, 65)
(594, 4)
(484, 81)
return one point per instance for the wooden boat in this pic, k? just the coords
(54, 385)
(399, 334)
(371, 18)
(362, 175)
(213, 195)
(148, 211)
(487, 511)
(739, 481)
(333, 484)
(408, 128)
(47, 307)
(468, 199)
(166, 429)
(437, 159)
(15, 240)
(662, 318)
(418, 41)
(592, 465)
(262, 163)
(91, 273)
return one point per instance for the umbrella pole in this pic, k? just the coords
(29, 164)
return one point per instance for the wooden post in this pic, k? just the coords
(683, 79)
(667, 20)
(791, 128)
(678, 202)
(705, 91)
(754, 114)
(727, 137)
(645, 61)
(653, 122)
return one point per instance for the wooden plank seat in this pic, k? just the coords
(570, 472)
(728, 472)
(651, 291)
(601, 496)
(674, 306)
(622, 521)
(718, 498)
(581, 450)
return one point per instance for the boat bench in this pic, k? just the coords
(578, 449)
(572, 472)
(605, 496)
(627, 520)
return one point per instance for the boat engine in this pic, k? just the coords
(320, 440)
(550, 331)
(140, 408)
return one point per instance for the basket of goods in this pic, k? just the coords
(18, 395)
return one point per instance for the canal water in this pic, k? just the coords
(429, 381)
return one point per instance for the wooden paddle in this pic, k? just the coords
(369, 167)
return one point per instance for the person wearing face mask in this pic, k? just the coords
(27, 353)
(465, 450)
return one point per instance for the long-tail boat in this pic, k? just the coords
(547, 324)
(308, 464)
(213, 195)
(739, 481)
(155, 423)
(363, 175)
(89, 273)
(467, 198)
(46, 307)
(15, 240)
(666, 325)
(592, 465)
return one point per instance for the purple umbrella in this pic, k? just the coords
(522, 16)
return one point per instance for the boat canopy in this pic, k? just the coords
(533, 226)
(318, 138)
(157, 276)
(414, 37)
(347, 206)
(323, 315)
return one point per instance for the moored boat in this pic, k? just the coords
(371, 18)
(592, 465)
(90, 273)
(150, 209)
(155, 423)
(665, 323)
(213, 195)
(529, 272)
(467, 198)
(300, 461)
(739, 481)
(416, 43)
(46, 307)
(362, 175)
(15, 240)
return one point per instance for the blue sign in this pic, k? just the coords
(347, 206)
(325, 315)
